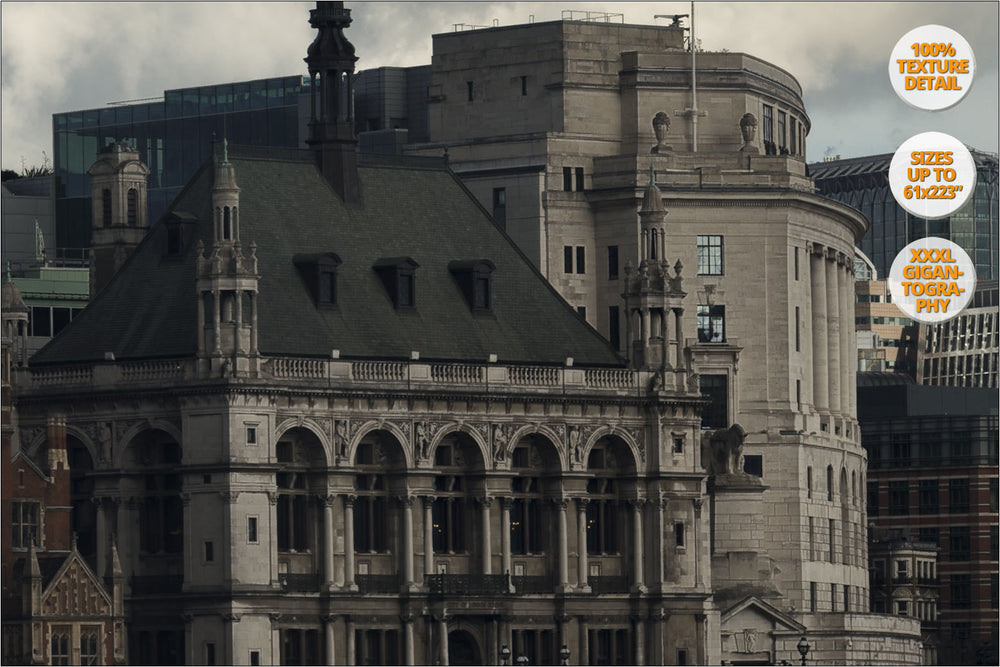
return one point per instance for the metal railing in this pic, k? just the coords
(468, 584)
(378, 583)
(616, 583)
(299, 583)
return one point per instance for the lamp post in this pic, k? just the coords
(803, 647)
(504, 655)
(564, 655)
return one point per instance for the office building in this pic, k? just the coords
(932, 477)
(863, 183)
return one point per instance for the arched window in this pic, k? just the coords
(454, 459)
(829, 482)
(602, 510)
(531, 462)
(106, 207)
(133, 206)
(161, 518)
(83, 518)
(299, 453)
(227, 223)
(372, 484)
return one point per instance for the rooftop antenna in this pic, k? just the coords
(691, 112)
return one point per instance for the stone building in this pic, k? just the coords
(332, 413)
(555, 127)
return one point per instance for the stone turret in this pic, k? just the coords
(227, 284)
(654, 298)
(118, 225)
(331, 122)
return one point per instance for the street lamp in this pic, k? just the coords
(564, 655)
(504, 655)
(803, 647)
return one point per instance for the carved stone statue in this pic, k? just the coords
(661, 124)
(422, 441)
(748, 128)
(722, 454)
(574, 444)
(340, 438)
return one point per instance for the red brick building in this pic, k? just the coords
(55, 609)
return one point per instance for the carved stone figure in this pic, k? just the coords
(750, 639)
(722, 454)
(574, 444)
(499, 442)
(104, 438)
(661, 124)
(748, 128)
(340, 438)
(422, 442)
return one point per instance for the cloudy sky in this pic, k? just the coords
(65, 56)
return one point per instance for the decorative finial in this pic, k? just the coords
(225, 151)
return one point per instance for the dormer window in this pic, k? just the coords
(320, 274)
(475, 278)
(399, 279)
(179, 227)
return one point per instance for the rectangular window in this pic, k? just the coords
(812, 596)
(833, 533)
(796, 263)
(781, 132)
(209, 653)
(567, 179)
(500, 206)
(255, 658)
(524, 85)
(679, 534)
(929, 496)
(567, 259)
(993, 493)
(91, 638)
(994, 542)
(711, 324)
(579, 179)
(41, 321)
(899, 498)
(613, 263)
(470, 89)
(678, 446)
(209, 552)
(960, 544)
(847, 598)
(753, 464)
(582, 310)
(614, 325)
(25, 523)
(251, 435)
(961, 591)
(958, 496)
(716, 413)
(798, 393)
(798, 347)
(710, 255)
(61, 641)
(767, 129)
(792, 136)
(252, 529)
(581, 259)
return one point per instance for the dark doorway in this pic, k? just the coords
(463, 649)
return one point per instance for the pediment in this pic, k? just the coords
(75, 591)
(756, 613)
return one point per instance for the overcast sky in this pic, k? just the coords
(66, 56)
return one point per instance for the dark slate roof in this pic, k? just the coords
(412, 209)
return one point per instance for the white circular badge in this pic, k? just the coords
(932, 175)
(932, 280)
(932, 67)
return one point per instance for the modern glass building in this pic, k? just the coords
(864, 184)
(173, 135)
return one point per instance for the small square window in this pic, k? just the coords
(582, 310)
(206, 479)
(753, 464)
(252, 529)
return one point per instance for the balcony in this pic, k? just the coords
(157, 585)
(467, 584)
(532, 585)
(300, 583)
(608, 584)
(378, 583)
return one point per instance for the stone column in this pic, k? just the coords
(848, 343)
(833, 330)
(253, 324)
(349, 543)
(349, 640)
(583, 585)
(659, 621)
(327, 501)
(487, 548)
(584, 642)
(679, 314)
(817, 288)
(201, 323)
(408, 648)
(699, 633)
(216, 320)
(698, 569)
(406, 504)
(428, 535)
(505, 534)
(660, 543)
(637, 545)
(442, 624)
(561, 504)
(238, 319)
(640, 640)
(330, 642)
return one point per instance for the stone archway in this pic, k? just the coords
(463, 649)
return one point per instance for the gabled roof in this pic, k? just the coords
(411, 208)
(780, 619)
